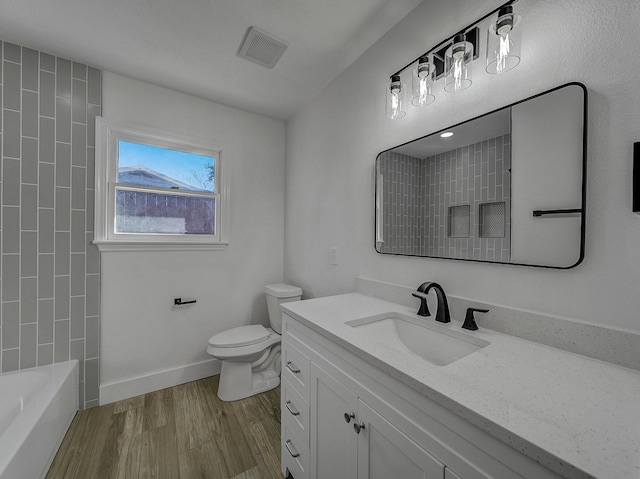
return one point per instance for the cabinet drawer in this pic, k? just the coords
(295, 409)
(295, 456)
(295, 368)
(290, 466)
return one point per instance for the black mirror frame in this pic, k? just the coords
(582, 209)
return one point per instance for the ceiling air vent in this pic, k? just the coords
(262, 48)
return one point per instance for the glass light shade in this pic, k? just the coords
(422, 79)
(457, 65)
(395, 93)
(503, 42)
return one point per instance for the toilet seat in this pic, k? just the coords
(240, 336)
(241, 342)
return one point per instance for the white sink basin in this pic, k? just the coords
(436, 344)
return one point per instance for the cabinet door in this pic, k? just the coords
(384, 452)
(333, 441)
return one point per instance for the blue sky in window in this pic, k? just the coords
(189, 168)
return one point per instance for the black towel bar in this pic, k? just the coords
(537, 213)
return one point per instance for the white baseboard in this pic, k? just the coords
(157, 380)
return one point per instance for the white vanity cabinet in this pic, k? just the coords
(351, 439)
(384, 451)
(333, 441)
(399, 433)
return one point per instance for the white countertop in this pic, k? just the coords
(576, 415)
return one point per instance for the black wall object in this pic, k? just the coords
(636, 177)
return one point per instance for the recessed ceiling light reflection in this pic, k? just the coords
(446, 134)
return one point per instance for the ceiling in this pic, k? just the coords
(192, 45)
(473, 131)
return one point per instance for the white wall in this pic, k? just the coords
(142, 332)
(546, 136)
(332, 145)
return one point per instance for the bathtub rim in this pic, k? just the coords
(30, 442)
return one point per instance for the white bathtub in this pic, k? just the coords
(36, 408)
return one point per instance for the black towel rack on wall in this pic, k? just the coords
(566, 211)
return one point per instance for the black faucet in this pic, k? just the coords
(443, 307)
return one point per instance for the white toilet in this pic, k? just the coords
(250, 355)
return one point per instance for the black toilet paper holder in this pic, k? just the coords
(179, 302)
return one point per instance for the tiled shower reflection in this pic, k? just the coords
(432, 206)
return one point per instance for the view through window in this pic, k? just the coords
(164, 191)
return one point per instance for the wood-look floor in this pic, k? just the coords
(182, 432)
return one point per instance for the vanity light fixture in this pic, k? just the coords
(423, 77)
(503, 42)
(394, 99)
(452, 59)
(457, 68)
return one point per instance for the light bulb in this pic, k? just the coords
(458, 71)
(503, 52)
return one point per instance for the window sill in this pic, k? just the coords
(107, 246)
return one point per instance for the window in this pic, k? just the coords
(155, 191)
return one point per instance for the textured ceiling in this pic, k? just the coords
(191, 45)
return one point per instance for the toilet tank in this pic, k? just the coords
(276, 295)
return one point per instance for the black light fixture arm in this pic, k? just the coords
(447, 40)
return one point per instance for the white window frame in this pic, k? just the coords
(108, 134)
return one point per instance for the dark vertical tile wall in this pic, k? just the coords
(472, 175)
(401, 199)
(419, 196)
(49, 282)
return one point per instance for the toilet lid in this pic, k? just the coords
(281, 290)
(241, 336)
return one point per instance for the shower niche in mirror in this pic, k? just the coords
(506, 187)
